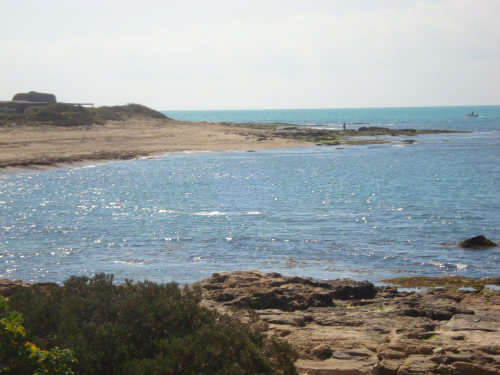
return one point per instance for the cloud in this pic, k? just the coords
(420, 55)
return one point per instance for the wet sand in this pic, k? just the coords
(31, 145)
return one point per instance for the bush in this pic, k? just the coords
(145, 328)
(10, 118)
(124, 112)
(18, 356)
(64, 114)
(60, 114)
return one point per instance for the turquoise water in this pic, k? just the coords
(365, 212)
(414, 117)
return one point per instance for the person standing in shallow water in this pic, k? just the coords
(344, 126)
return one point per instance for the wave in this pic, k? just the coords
(129, 262)
(166, 211)
(211, 213)
(208, 213)
(448, 266)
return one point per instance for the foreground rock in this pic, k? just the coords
(9, 287)
(349, 327)
(260, 291)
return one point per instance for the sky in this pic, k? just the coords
(259, 54)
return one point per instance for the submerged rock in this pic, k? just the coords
(478, 242)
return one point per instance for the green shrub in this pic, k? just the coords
(19, 356)
(123, 112)
(145, 328)
(10, 118)
(65, 114)
(60, 114)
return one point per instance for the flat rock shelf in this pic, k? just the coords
(349, 327)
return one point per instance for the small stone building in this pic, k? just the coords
(21, 101)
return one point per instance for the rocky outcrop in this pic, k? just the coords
(273, 291)
(478, 242)
(9, 287)
(349, 327)
(34, 96)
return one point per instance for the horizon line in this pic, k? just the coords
(329, 108)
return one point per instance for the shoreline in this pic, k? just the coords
(355, 327)
(31, 146)
(34, 145)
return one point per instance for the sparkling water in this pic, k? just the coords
(365, 212)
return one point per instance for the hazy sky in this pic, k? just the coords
(231, 54)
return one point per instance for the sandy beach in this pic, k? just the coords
(26, 146)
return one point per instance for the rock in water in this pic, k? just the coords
(478, 242)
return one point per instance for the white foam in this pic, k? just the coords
(127, 262)
(253, 213)
(437, 264)
(161, 211)
(211, 213)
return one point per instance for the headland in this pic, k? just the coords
(63, 133)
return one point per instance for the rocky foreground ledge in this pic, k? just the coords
(349, 327)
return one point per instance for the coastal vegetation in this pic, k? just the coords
(65, 114)
(124, 112)
(142, 328)
(19, 356)
(60, 114)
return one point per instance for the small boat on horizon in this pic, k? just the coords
(472, 114)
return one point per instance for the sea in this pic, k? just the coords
(368, 212)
